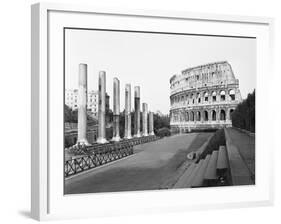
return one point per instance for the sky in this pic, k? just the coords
(149, 60)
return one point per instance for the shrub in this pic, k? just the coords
(162, 132)
(215, 142)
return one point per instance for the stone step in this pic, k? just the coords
(211, 171)
(184, 178)
(222, 163)
(198, 180)
(193, 174)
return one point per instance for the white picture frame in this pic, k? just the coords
(48, 201)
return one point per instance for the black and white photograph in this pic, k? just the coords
(155, 111)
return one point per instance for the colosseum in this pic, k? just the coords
(203, 97)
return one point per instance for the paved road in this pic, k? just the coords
(147, 169)
(246, 146)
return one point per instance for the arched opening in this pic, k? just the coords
(206, 97)
(230, 113)
(198, 98)
(214, 96)
(214, 115)
(205, 115)
(192, 116)
(232, 94)
(198, 117)
(222, 94)
(222, 115)
(187, 116)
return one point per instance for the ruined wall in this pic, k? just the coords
(203, 97)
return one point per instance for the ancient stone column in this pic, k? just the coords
(137, 113)
(144, 119)
(116, 109)
(82, 105)
(101, 108)
(128, 132)
(151, 125)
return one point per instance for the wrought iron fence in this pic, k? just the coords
(104, 155)
(100, 154)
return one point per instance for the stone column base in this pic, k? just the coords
(102, 141)
(83, 142)
(116, 139)
(138, 135)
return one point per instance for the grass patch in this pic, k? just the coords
(215, 142)
(199, 140)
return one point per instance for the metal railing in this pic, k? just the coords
(100, 154)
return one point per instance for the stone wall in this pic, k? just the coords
(203, 97)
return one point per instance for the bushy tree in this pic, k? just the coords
(71, 116)
(244, 115)
(161, 121)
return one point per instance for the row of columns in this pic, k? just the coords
(82, 110)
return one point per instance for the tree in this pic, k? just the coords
(244, 115)
(71, 116)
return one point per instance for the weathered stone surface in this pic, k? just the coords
(151, 123)
(137, 132)
(102, 100)
(203, 97)
(144, 119)
(128, 132)
(82, 105)
(116, 109)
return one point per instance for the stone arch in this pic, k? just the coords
(231, 93)
(205, 115)
(222, 95)
(206, 96)
(222, 115)
(214, 96)
(182, 98)
(198, 98)
(198, 116)
(230, 113)
(192, 116)
(214, 115)
(187, 116)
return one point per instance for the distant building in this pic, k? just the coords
(71, 100)
(92, 104)
(203, 97)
